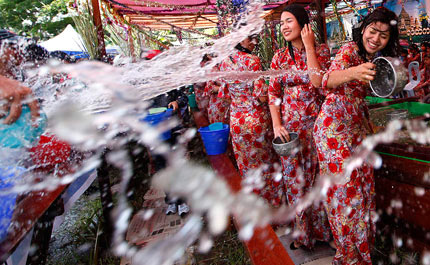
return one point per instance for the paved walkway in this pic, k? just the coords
(321, 255)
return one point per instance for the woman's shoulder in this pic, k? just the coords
(349, 46)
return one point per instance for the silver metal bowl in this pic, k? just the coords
(391, 77)
(285, 149)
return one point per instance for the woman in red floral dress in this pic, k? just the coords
(250, 120)
(295, 98)
(341, 125)
(202, 99)
(218, 107)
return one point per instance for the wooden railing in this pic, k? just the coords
(264, 247)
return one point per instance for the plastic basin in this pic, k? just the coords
(155, 119)
(215, 141)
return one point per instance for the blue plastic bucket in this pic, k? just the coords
(8, 177)
(215, 141)
(154, 119)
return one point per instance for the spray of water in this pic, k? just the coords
(101, 101)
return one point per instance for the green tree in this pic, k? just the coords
(35, 18)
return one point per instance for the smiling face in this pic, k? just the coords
(376, 37)
(290, 27)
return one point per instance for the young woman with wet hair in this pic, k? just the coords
(294, 105)
(342, 124)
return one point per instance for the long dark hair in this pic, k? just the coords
(299, 12)
(383, 15)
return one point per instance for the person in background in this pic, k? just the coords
(294, 105)
(202, 99)
(218, 106)
(250, 128)
(413, 54)
(423, 51)
(342, 124)
(423, 88)
(404, 56)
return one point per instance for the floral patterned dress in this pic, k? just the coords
(341, 125)
(300, 104)
(201, 99)
(218, 108)
(250, 125)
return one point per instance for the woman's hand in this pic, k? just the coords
(363, 72)
(282, 133)
(308, 37)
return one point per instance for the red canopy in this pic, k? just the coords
(165, 14)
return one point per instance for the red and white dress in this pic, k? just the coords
(341, 125)
(250, 124)
(218, 108)
(300, 104)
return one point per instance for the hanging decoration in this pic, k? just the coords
(335, 11)
(353, 8)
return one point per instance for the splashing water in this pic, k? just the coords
(100, 101)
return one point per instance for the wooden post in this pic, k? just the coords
(322, 27)
(130, 43)
(98, 23)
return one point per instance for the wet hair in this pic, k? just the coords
(383, 15)
(302, 17)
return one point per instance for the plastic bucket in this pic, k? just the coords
(21, 133)
(154, 119)
(8, 177)
(192, 101)
(215, 141)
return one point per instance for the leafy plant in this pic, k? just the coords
(270, 40)
(85, 27)
(35, 18)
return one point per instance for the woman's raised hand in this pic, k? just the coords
(308, 37)
(363, 72)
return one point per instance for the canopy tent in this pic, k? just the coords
(68, 41)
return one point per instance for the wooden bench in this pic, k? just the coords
(264, 247)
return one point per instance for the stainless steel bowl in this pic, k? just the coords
(285, 149)
(391, 77)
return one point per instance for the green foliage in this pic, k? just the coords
(227, 250)
(268, 45)
(42, 19)
(85, 27)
